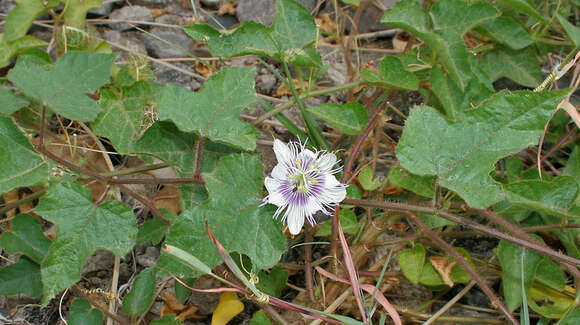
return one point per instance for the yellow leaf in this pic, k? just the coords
(228, 307)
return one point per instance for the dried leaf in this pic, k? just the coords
(173, 307)
(9, 197)
(228, 307)
(283, 90)
(227, 8)
(443, 266)
(168, 198)
(326, 24)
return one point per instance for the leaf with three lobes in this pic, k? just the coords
(26, 237)
(22, 277)
(411, 261)
(392, 73)
(20, 165)
(63, 87)
(462, 154)
(123, 117)
(235, 217)
(292, 30)
(20, 18)
(349, 118)
(555, 197)
(214, 112)
(81, 313)
(138, 300)
(10, 49)
(82, 228)
(443, 29)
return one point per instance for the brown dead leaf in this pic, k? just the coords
(227, 8)
(10, 197)
(173, 307)
(204, 70)
(443, 266)
(167, 198)
(283, 90)
(325, 23)
(400, 44)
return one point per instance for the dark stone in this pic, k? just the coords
(137, 13)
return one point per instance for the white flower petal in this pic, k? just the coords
(283, 153)
(279, 172)
(330, 181)
(333, 192)
(326, 162)
(274, 195)
(295, 219)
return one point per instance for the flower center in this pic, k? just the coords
(301, 179)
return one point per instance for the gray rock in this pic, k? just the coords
(100, 260)
(176, 43)
(165, 75)
(105, 9)
(262, 11)
(6, 6)
(265, 83)
(136, 13)
(155, 3)
(128, 40)
(149, 257)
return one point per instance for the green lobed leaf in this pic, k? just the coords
(349, 118)
(549, 302)
(20, 18)
(367, 179)
(443, 29)
(82, 229)
(141, 296)
(164, 141)
(526, 8)
(152, 230)
(507, 31)
(81, 313)
(20, 165)
(9, 102)
(573, 168)
(572, 31)
(273, 282)
(412, 261)
(521, 66)
(347, 221)
(433, 221)
(293, 29)
(10, 49)
(22, 277)
(26, 237)
(64, 86)
(123, 117)
(463, 158)
(214, 112)
(260, 318)
(510, 258)
(431, 277)
(235, 217)
(422, 185)
(555, 197)
(392, 73)
(76, 11)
